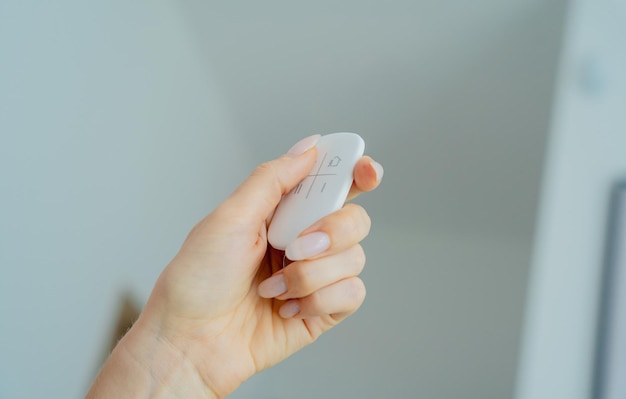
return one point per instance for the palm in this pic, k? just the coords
(260, 330)
(272, 337)
(209, 316)
(208, 297)
(251, 332)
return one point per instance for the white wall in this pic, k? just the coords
(111, 130)
(454, 100)
(434, 325)
(586, 155)
(117, 121)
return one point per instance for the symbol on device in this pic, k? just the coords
(323, 187)
(334, 162)
(298, 188)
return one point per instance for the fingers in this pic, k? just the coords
(331, 234)
(320, 287)
(323, 279)
(367, 176)
(259, 194)
(302, 278)
(340, 299)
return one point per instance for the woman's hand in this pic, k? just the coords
(225, 309)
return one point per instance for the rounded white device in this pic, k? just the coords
(322, 192)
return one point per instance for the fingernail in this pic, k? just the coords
(308, 246)
(273, 286)
(303, 145)
(379, 170)
(289, 309)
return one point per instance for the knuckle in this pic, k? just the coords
(267, 169)
(351, 222)
(358, 258)
(267, 172)
(367, 221)
(314, 302)
(356, 290)
(299, 278)
(359, 220)
(263, 168)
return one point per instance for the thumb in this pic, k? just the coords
(261, 192)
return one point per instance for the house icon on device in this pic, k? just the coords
(334, 162)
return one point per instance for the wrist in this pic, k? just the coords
(145, 365)
(170, 370)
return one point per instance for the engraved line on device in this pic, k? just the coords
(315, 177)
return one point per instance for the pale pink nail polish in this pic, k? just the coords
(308, 246)
(289, 309)
(303, 145)
(379, 170)
(273, 286)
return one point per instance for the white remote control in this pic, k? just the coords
(322, 192)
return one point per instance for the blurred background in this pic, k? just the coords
(499, 124)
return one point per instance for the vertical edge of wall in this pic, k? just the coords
(584, 158)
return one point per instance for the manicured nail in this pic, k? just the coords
(303, 145)
(273, 286)
(289, 309)
(308, 246)
(379, 170)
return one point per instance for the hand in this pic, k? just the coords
(225, 308)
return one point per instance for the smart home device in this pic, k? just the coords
(322, 192)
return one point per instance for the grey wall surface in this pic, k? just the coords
(123, 123)
(585, 159)
(440, 320)
(454, 96)
(454, 100)
(113, 141)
